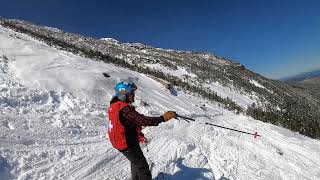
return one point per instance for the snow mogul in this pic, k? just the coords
(125, 125)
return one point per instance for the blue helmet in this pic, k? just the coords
(122, 89)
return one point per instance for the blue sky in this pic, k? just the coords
(275, 38)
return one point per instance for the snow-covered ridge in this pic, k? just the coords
(275, 103)
(109, 40)
(136, 53)
(53, 29)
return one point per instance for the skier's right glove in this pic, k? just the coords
(169, 115)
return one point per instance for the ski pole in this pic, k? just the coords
(146, 141)
(147, 147)
(186, 118)
(255, 134)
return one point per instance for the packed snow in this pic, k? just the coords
(53, 124)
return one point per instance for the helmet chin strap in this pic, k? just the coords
(125, 98)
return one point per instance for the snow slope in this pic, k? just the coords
(53, 124)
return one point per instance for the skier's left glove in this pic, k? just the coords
(169, 115)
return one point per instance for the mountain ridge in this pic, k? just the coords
(302, 76)
(240, 90)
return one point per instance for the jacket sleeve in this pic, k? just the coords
(131, 115)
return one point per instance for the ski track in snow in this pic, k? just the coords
(53, 124)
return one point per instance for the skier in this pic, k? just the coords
(125, 125)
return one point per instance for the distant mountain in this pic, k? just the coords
(312, 75)
(308, 82)
(212, 77)
(313, 80)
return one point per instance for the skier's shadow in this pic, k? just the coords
(186, 173)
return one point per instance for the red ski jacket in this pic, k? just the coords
(125, 125)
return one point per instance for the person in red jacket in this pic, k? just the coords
(125, 125)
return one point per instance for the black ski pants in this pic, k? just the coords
(139, 166)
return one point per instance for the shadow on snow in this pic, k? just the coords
(187, 173)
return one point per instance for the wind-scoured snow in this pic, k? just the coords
(256, 83)
(53, 125)
(243, 100)
(110, 40)
(181, 71)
